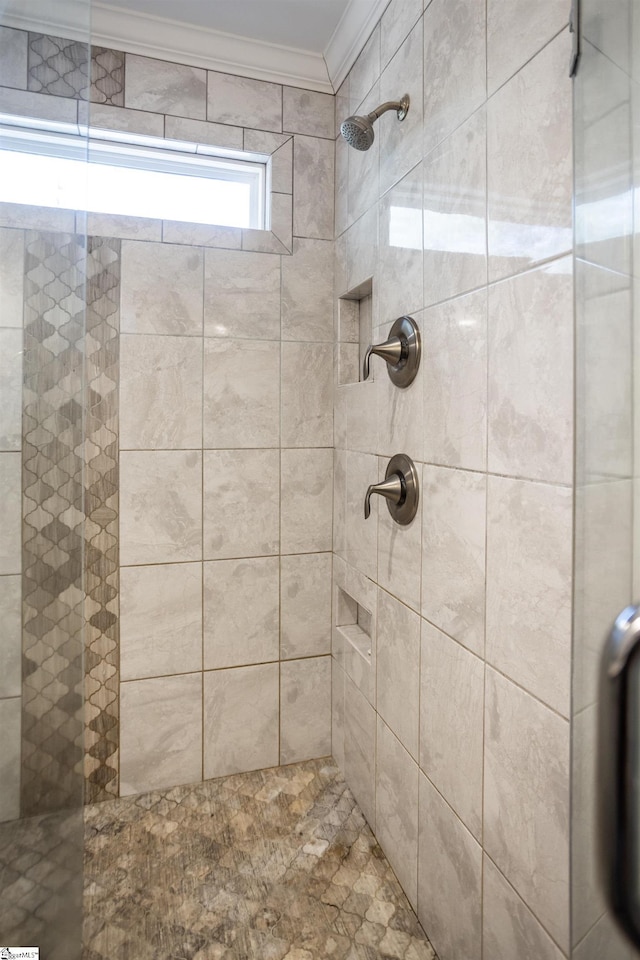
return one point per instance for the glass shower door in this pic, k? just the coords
(44, 79)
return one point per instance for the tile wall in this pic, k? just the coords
(452, 636)
(209, 498)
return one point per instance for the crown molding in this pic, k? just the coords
(173, 40)
(354, 29)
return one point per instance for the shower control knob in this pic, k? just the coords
(401, 351)
(399, 488)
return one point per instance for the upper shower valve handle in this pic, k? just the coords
(358, 131)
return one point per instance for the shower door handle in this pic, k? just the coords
(618, 775)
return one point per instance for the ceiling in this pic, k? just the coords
(302, 24)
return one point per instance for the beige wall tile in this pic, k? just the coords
(530, 403)
(397, 21)
(241, 393)
(305, 111)
(455, 382)
(307, 291)
(526, 800)
(451, 724)
(400, 552)
(305, 599)
(305, 709)
(401, 141)
(313, 170)
(161, 289)
(398, 669)
(103, 116)
(11, 380)
(529, 163)
(11, 277)
(453, 553)
(529, 568)
(160, 506)
(397, 808)
(455, 212)
(240, 719)
(10, 759)
(364, 165)
(13, 57)
(604, 940)
(366, 69)
(449, 879)
(307, 394)
(11, 527)
(360, 750)
(11, 642)
(41, 106)
(241, 612)
(337, 713)
(163, 87)
(242, 295)
(516, 32)
(160, 620)
(361, 534)
(160, 392)
(201, 234)
(199, 131)
(362, 250)
(306, 496)
(114, 225)
(400, 258)
(242, 486)
(161, 733)
(245, 102)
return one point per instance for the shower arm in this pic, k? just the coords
(400, 106)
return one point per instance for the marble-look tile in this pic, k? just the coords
(306, 495)
(364, 166)
(307, 394)
(342, 185)
(399, 552)
(160, 620)
(453, 553)
(11, 277)
(240, 719)
(361, 534)
(455, 382)
(161, 289)
(10, 759)
(241, 295)
(587, 895)
(400, 257)
(509, 928)
(526, 801)
(279, 146)
(26, 217)
(160, 392)
(397, 22)
(397, 809)
(199, 131)
(13, 58)
(245, 102)
(313, 171)
(243, 485)
(103, 116)
(11, 527)
(366, 69)
(160, 506)
(280, 238)
(305, 111)
(516, 31)
(398, 669)
(203, 234)
(361, 400)
(40, 106)
(11, 379)
(401, 141)
(307, 291)
(362, 250)
(449, 879)
(339, 503)
(305, 605)
(530, 401)
(241, 616)
(163, 87)
(454, 66)
(11, 644)
(161, 733)
(241, 393)
(451, 724)
(360, 750)
(605, 939)
(399, 412)
(122, 228)
(529, 176)
(337, 713)
(529, 556)
(455, 212)
(355, 635)
(305, 709)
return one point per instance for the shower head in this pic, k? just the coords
(358, 131)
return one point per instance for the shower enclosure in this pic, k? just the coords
(43, 272)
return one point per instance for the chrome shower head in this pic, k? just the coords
(358, 131)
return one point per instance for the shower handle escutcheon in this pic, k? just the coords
(401, 352)
(400, 489)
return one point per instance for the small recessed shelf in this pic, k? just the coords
(354, 624)
(355, 331)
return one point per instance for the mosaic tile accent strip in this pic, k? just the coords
(107, 76)
(41, 883)
(268, 865)
(57, 66)
(102, 635)
(52, 528)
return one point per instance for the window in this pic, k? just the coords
(47, 166)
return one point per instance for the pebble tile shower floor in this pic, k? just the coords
(273, 865)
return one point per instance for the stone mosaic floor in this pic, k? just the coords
(260, 866)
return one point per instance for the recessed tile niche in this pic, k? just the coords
(355, 331)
